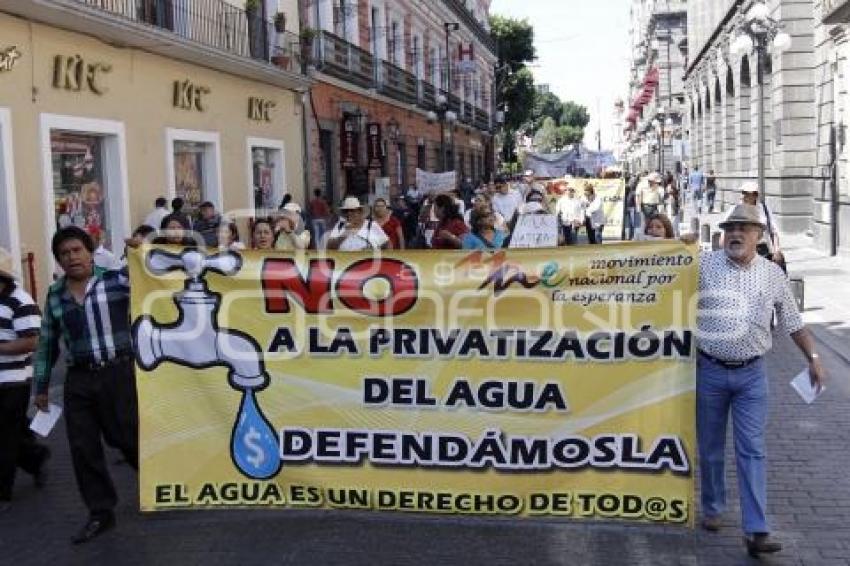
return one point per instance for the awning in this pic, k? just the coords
(647, 91)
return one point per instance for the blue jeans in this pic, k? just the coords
(744, 391)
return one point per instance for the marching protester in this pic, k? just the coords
(290, 233)
(175, 232)
(696, 182)
(320, 214)
(710, 190)
(177, 205)
(594, 215)
(768, 246)
(672, 196)
(739, 291)
(484, 235)
(650, 196)
(87, 310)
(160, 211)
(228, 237)
(481, 202)
(658, 227)
(391, 226)
(450, 228)
(103, 258)
(20, 320)
(506, 200)
(632, 216)
(207, 224)
(139, 236)
(570, 211)
(354, 232)
(262, 234)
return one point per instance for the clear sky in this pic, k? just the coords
(583, 52)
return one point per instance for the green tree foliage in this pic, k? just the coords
(516, 41)
(514, 82)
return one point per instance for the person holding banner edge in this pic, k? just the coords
(731, 373)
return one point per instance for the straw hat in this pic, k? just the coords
(743, 214)
(351, 203)
(7, 264)
(654, 178)
(292, 207)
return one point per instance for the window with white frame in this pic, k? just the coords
(194, 167)
(85, 177)
(266, 164)
(9, 236)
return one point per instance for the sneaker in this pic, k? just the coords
(711, 524)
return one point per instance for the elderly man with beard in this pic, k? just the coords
(739, 290)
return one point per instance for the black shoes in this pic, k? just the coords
(760, 543)
(40, 476)
(95, 527)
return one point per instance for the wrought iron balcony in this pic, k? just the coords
(343, 60)
(398, 83)
(467, 115)
(211, 23)
(482, 120)
(427, 95)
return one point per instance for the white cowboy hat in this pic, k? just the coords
(654, 178)
(749, 187)
(351, 203)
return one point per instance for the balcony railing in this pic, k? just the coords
(398, 83)
(427, 96)
(338, 58)
(344, 60)
(212, 23)
(482, 119)
(467, 115)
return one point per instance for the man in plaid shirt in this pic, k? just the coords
(88, 309)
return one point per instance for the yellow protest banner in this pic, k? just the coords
(554, 382)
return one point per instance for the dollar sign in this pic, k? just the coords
(258, 456)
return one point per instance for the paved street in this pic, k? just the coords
(809, 491)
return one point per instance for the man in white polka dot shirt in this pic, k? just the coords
(739, 291)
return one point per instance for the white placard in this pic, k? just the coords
(430, 183)
(382, 189)
(535, 231)
(44, 421)
(802, 384)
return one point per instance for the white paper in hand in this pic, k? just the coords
(44, 421)
(802, 384)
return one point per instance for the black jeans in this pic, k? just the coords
(569, 234)
(101, 403)
(594, 235)
(18, 447)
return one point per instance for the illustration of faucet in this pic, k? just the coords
(195, 339)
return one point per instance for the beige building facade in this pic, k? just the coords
(92, 132)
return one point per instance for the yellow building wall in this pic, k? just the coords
(140, 95)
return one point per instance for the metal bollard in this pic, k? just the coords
(705, 234)
(716, 238)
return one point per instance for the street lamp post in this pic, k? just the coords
(447, 118)
(757, 30)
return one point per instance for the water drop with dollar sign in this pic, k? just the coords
(254, 446)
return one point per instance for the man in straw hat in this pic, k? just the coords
(739, 291)
(354, 233)
(20, 321)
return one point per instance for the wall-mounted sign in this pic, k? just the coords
(260, 109)
(348, 144)
(9, 58)
(73, 73)
(373, 146)
(189, 96)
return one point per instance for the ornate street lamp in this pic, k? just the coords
(758, 30)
